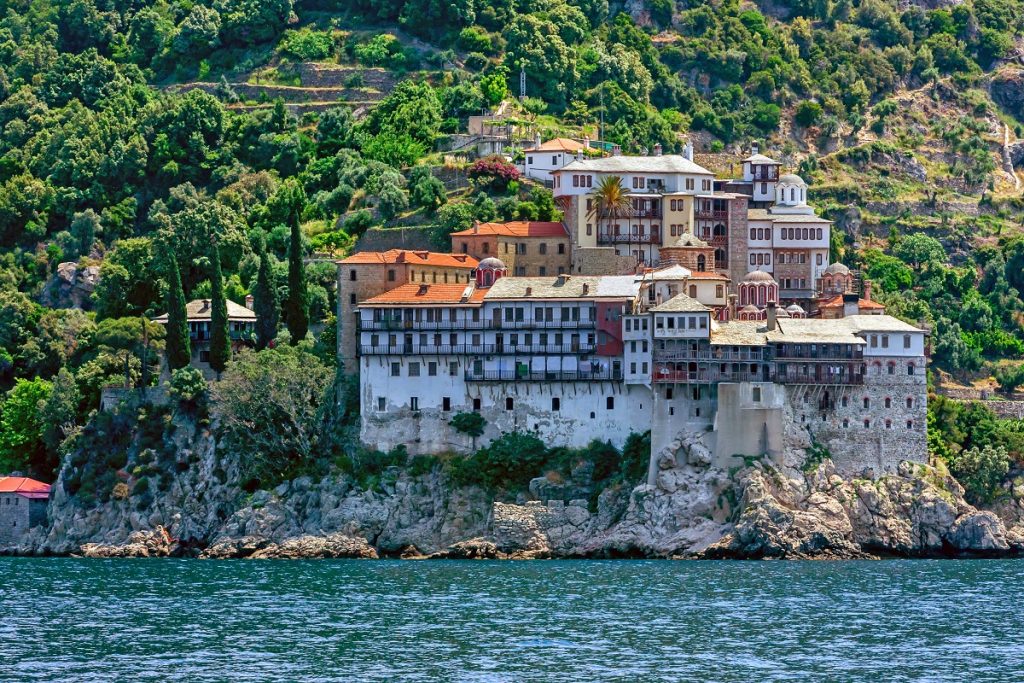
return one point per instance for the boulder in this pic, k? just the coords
(1007, 90)
(71, 286)
(333, 546)
(150, 543)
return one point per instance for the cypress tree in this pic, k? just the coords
(297, 306)
(265, 304)
(178, 349)
(220, 340)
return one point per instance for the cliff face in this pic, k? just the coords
(692, 509)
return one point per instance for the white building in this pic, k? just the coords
(544, 157)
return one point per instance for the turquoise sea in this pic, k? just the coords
(191, 620)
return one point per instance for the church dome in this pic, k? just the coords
(837, 269)
(491, 263)
(791, 179)
(793, 309)
(758, 276)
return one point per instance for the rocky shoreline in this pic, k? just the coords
(690, 513)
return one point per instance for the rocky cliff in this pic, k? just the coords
(764, 510)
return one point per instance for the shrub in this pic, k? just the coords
(495, 171)
(188, 386)
(470, 424)
(981, 470)
(508, 463)
(808, 113)
(308, 44)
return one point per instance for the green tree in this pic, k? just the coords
(220, 339)
(919, 249)
(981, 470)
(494, 86)
(808, 113)
(21, 428)
(269, 407)
(265, 302)
(297, 305)
(179, 347)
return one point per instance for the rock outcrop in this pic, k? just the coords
(917, 512)
(71, 286)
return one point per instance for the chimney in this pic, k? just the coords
(586, 289)
(476, 227)
(867, 290)
(529, 291)
(688, 150)
(206, 305)
(616, 150)
(755, 148)
(732, 306)
(562, 279)
(422, 290)
(850, 304)
(770, 314)
(657, 149)
(250, 301)
(537, 140)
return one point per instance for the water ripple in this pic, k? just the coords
(492, 622)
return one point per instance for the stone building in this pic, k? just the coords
(569, 357)
(369, 273)
(199, 313)
(23, 504)
(527, 248)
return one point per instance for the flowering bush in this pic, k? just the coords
(495, 171)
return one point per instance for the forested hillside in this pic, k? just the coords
(145, 142)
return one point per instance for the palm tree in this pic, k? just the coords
(611, 202)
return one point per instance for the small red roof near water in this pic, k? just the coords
(23, 486)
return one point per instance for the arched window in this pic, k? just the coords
(910, 402)
(867, 423)
(891, 367)
(792, 193)
(910, 369)
(719, 230)
(888, 402)
(702, 263)
(867, 403)
(888, 424)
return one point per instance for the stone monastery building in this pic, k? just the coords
(692, 316)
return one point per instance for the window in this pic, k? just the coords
(910, 402)
(756, 394)
(414, 403)
(846, 424)
(508, 403)
(719, 291)
(432, 369)
(590, 229)
(521, 248)
(487, 248)
(888, 402)
(542, 248)
(453, 368)
(888, 424)
(476, 404)
(446, 404)
(844, 402)
(609, 403)
(910, 369)
(867, 423)
(414, 369)
(885, 341)
(910, 424)
(382, 404)
(561, 247)
(352, 274)
(906, 341)
(819, 259)
(752, 259)
(556, 403)
(391, 275)
(867, 403)
(693, 291)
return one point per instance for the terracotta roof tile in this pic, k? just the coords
(837, 302)
(420, 258)
(25, 487)
(515, 229)
(417, 293)
(558, 144)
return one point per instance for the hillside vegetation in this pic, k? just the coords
(137, 137)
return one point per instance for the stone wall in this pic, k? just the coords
(738, 239)
(15, 518)
(416, 238)
(110, 397)
(601, 261)
(583, 416)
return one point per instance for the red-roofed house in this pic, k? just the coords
(527, 248)
(22, 506)
(369, 273)
(544, 157)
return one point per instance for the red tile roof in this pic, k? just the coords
(837, 302)
(417, 293)
(705, 275)
(419, 258)
(515, 229)
(23, 486)
(558, 144)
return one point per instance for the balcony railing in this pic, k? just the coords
(670, 375)
(630, 238)
(756, 356)
(474, 349)
(421, 325)
(710, 214)
(645, 213)
(762, 175)
(524, 375)
(820, 375)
